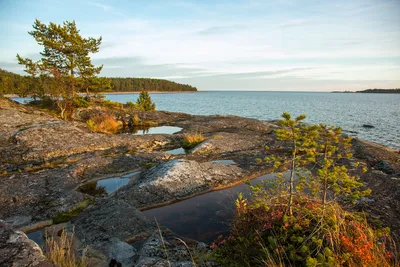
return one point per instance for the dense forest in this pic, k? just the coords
(137, 84)
(11, 83)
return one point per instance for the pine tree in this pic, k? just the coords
(65, 59)
(144, 102)
(331, 175)
(301, 141)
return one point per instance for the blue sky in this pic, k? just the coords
(226, 45)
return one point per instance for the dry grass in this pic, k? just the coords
(191, 140)
(103, 124)
(60, 251)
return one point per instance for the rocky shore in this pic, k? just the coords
(44, 161)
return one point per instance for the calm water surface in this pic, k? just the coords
(350, 111)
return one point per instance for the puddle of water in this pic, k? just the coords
(104, 187)
(203, 217)
(177, 151)
(157, 130)
(113, 184)
(224, 161)
(38, 237)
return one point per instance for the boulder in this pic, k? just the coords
(177, 179)
(17, 250)
(368, 126)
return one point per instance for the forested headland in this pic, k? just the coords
(12, 83)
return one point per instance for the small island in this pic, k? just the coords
(373, 91)
(381, 91)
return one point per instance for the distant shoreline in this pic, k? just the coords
(372, 91)
(120, 93)
(150, 92)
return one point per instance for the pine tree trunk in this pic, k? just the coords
(291, 181)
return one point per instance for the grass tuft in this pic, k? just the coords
(60, 251)
(103, 124)
(190, 140)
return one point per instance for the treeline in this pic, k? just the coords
(381, 91)
(12, 83)
(137, 84)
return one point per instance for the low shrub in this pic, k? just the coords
(265, 235)
(103, 124)
(191, 140)
(111, 104)
(130, 105)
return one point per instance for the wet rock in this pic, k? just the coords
(17, 250)
(177, 179)
(368, 126)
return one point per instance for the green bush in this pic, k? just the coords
(130, 105)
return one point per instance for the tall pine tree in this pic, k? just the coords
(65, 59)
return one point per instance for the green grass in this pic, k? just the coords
(68, 215)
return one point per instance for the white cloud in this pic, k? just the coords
(102, 6)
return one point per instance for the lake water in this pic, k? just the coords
(350, 111)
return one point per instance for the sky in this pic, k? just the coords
(274, 45)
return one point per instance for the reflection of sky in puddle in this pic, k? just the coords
(177, 151)
(107, 186)
(158, 130)
(38, 237)
(203, 217)
(112, 184)
(224, 161)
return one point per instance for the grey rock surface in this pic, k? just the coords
(177, 179)
(17, 250)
